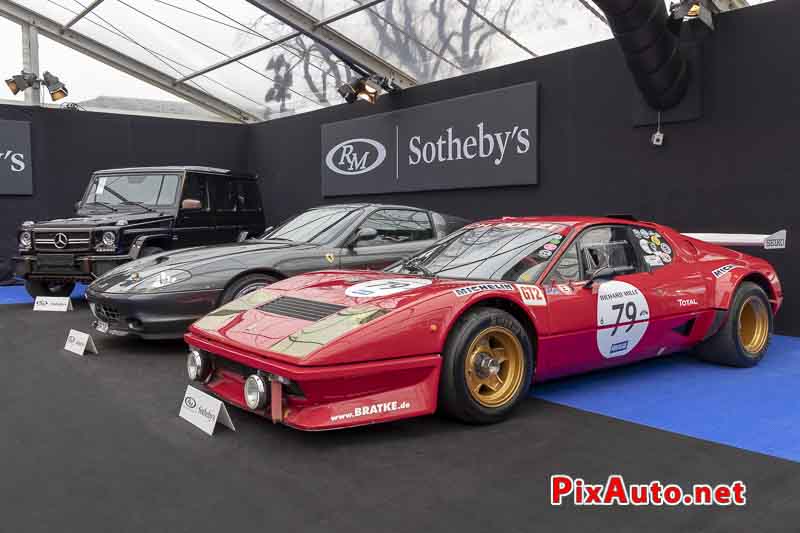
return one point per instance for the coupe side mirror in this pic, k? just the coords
(364, 234)
(191, 204)
(608, 272)
(242, 236)
(77, 206)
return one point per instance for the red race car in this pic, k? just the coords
(468, 325)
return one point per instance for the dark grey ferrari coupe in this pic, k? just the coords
(159, 296)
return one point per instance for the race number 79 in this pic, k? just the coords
(630, 313)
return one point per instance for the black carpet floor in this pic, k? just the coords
(95, 444)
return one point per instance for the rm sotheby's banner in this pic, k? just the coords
(16, 175)
(483, 140)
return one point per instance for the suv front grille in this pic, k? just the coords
(299, 308)
(106, 313)
(62, 241)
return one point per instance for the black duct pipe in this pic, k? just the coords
(651, 50)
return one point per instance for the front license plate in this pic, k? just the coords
(102, 327)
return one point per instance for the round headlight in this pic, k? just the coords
(109, 238)
(196, 365)
(25, 239)
(255, 392)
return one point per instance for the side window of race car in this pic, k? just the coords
(567, 269)
(655, 250)
(605, 247)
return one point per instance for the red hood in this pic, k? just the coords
(244, 324)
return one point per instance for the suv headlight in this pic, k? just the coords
(164, 278)
(25, 240)
(109, 239)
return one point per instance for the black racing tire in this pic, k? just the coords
(465, 349)
(245, 285)
(743, 346)
(38, 287)
(150, 250)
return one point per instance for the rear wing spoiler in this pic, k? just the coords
(776, 241)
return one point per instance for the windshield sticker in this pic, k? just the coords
(666, 248)
(385, 287)
(665, 258)
(647, 247)
(622, 318)
(722, 271)
(472, 289)
(545, 254)
(101, 186)
(330, 258)
(532, 295)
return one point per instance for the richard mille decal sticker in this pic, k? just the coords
(532, 295)
(466, 291)
(721, 271)
(622, 318)
(384, 287)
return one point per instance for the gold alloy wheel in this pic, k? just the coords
(753, 325)
(494, 367)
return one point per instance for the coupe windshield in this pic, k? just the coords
(514, 251)
(137, 189)
(315, 226)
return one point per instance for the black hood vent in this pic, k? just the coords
(299, 308)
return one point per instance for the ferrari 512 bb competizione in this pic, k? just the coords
(467, 325)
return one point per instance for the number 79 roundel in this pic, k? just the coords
(622, 318)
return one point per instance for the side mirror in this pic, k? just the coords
(77, 205)
(608, 272)
(190, 204)
(364, 234)
(242, 236)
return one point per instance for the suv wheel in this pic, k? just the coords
(37, 287)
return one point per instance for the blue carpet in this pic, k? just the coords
(754, 409)
(17, 294)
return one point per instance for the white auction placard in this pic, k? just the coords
(204, 411)
(79, 343)
(52, 303)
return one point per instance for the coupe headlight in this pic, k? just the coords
(163, 279)
(109, 239)
(25, 239)
(197, 365)
(255, 392)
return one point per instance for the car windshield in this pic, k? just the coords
(513, 251)
(315, 226)
(115, 191)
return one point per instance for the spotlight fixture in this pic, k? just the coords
(366, 88)
(26, 80)
(57, 89)
(21, 81)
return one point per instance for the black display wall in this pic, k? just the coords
(734, 170)
(68, 145)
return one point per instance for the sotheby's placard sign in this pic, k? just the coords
(483, 140)
(16, 173)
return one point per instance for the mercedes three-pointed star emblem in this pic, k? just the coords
(61, 241)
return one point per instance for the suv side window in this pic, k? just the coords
(195, 189)
(656, 251)
(395, 226)
(238, 196)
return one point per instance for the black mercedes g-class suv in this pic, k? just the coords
(136, 212)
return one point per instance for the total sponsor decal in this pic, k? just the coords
(722, 271)
(372, 409)
(472, 289)
(622, 318)
(532, 295)
(688, 302)
(615, 491)
(385, 287)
